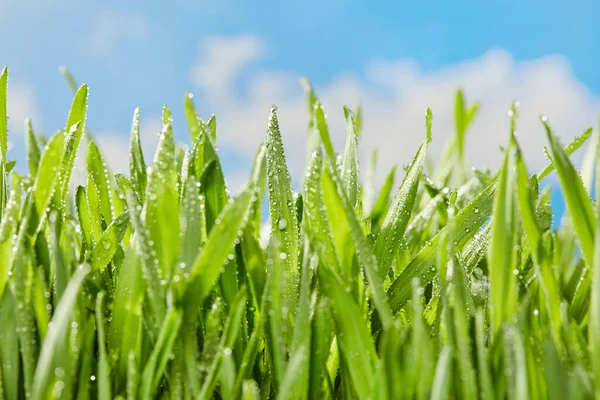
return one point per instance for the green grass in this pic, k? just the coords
(157, 284)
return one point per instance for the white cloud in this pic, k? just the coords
(394, 95)
(222, 59)
(109, 29)
(21, 104)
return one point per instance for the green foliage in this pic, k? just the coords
(158, 285)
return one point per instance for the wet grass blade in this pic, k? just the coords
(442, 382)
(3, 115)
(33, 150)
(364, 253)
(349, 172)
(502, 255)
(394, 225)
(321, 125)
(284, 225)
(98, 173)
(161, 210)
(8, 228)
(353, 335)
(74, 130)
(47, 180)
(104, 381)
(109, 242)
(191, 117)
(56, 333)
(317, 220)
(577, 201)
(466, 224)
(137, 165)
(153, 371)
(218, 247)
(569, 149)
(594, 313)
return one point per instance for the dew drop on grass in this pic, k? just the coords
(282, 224)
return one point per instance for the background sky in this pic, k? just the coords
(239, 58)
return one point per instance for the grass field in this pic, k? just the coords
(159, 285)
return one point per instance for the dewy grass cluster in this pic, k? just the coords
(157, 285)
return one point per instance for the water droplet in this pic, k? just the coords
(282, 223)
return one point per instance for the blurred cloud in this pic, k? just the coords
(21, 105)
(110, 29)
(222, 60)
(394, 95)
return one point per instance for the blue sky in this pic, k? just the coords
(238, 58)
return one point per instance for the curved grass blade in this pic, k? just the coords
(154, 369)
(229, 336)
(109, 242)
(394, 225)
(56, 333)
(570, 149)
(74, 130)
(466, 224)
(577, 201)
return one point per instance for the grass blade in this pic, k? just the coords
(109, 242)
(502, 256)
(349, 172)
(577, 201)
(3, 116)
(284, 225)
(395, 223)
(56, 333)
